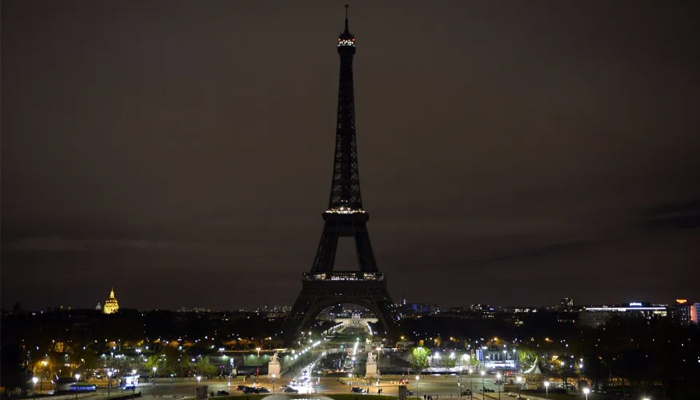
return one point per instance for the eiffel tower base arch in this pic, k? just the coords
(321, 291)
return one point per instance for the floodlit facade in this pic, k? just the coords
(111, 305)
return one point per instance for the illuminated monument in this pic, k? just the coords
(111, 305)
(345, 217)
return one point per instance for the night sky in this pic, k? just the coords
(510, 152)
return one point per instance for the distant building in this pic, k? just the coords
(98, 307)
(566, 303)
(494, 357)
(111, 305)
(480, 307)
(595, 316)
(417, 308)
(683, 312)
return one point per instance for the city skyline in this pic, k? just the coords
(181, 153)
(349, 306)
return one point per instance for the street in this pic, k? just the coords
(443, 385)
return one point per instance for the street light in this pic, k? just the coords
(258, 349)
(273, 383)
(483, 385)
(35, 380)
(133, 371)
(45, 363)
(199, 378)
(459, 383)
(586, 391)
(546, 389)
(418, 384)
(471, 384)
(77, 377)
(154, 375)
(520, 384)
(109, 382)
(350, 376)
(498, 381)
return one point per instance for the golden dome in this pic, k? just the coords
(111, 305)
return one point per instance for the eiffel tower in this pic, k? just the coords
(323, 287)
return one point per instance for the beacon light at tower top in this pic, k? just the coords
(346, 42)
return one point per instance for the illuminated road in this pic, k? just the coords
(431, 385)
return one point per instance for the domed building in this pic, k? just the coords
(111, 305)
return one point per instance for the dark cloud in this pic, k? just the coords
(508, 154)
(676, 216)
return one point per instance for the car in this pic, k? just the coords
(222, 393)
(358, 389)
(241, 387)
(248, 390)
(290, 390)
(467, 392)
(409, 393)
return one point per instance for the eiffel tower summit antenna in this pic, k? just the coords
(345, 217)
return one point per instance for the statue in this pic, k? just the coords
(273, 367)
(371, 370)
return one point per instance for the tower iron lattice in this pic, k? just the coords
(345, 217)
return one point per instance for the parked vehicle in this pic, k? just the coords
(222, 393)
(357, 389)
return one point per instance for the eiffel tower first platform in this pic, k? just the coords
(345, 217)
